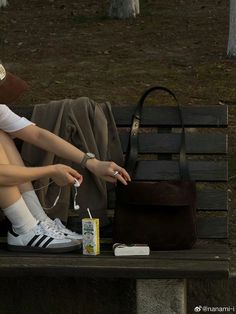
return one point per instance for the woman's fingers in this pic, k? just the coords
(125, 174)
(119, 174)
(121, 179)
(66, 175)
(76, 175)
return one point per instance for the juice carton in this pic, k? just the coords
(91, 241)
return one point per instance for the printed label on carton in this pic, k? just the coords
(91, 241)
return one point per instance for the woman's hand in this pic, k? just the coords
(63, 175)
(108, 170)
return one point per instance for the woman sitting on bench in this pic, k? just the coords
(32, 229)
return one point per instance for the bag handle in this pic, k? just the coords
(132, 152)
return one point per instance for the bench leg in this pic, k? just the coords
(161, 296)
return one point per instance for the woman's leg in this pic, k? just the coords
(26, 189)
(13, 204)
(8, 194)
(14, 157)
(25, 234)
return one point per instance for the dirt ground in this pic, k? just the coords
(67, 49)
(70, 49)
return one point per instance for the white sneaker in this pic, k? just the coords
(69, 234)
(42, 238)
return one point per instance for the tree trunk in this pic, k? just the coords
(3, 3)
(124, 9)
(231, 51)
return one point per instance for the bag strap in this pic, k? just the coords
(132, 152)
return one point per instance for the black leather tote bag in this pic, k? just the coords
(161, 214)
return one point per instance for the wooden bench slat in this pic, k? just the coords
(201, 248)
(207, 200)
(150, 143)
(169, 170)
(212, 227)
(212, 200)
(112, 267)
(207, 227)
(214, 116)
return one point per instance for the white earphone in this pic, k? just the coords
(76, 186)
(56, 200)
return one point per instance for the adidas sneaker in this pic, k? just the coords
(42, 238)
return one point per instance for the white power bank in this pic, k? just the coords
(129, 250)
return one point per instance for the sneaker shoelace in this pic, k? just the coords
(61, 228)
(49, 230)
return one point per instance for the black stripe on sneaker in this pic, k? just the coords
(48, 242)
(13, 232)
(33, 239)
(40, 240)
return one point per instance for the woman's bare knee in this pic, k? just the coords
(10, 148)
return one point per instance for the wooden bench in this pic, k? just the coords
(162, 275)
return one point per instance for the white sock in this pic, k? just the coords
(21, 218)
(32, 201)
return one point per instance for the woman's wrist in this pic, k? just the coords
(91, 164)
(51, 170)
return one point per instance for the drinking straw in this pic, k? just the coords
(90, 216)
